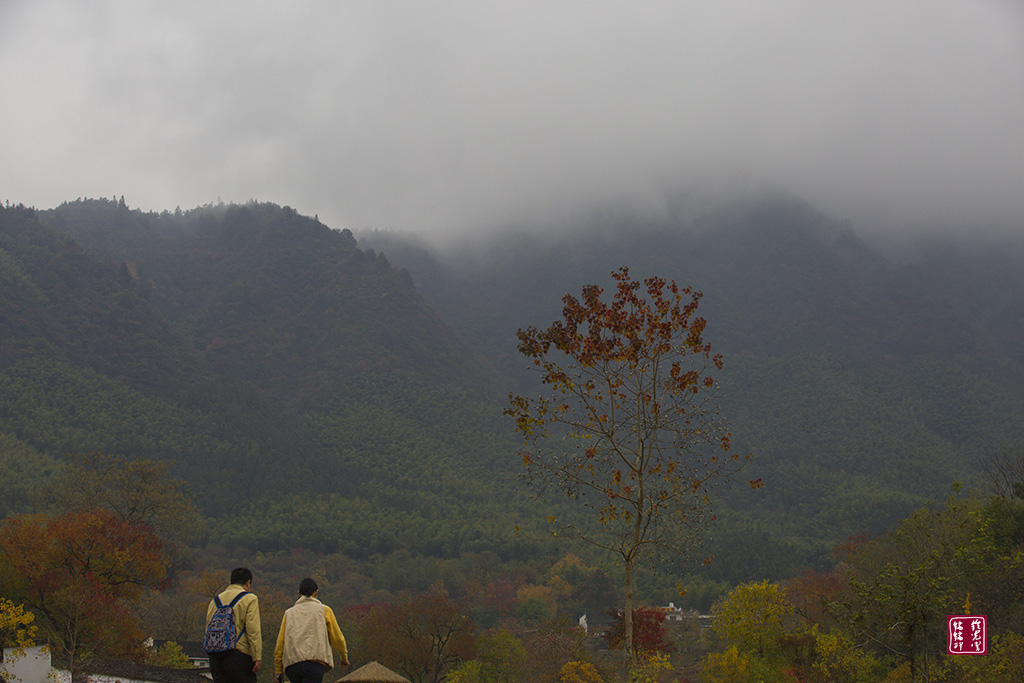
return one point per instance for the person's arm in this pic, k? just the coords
(252, 631)
(335, 636)
(279, 652)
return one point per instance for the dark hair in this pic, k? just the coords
(307, 587)
(241, 576)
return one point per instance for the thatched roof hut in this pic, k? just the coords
(373, 673)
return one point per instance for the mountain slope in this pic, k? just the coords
(254, 346)
(261, 353)
(275, 297)
(863, 385)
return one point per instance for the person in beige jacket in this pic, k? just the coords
(308, 634)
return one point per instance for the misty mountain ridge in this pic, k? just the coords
(864, 381)
(310, 369)
(764, 266)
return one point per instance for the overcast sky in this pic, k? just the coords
(461, 116)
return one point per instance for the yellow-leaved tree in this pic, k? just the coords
(751, 616)
(16, 631)
(579, 672)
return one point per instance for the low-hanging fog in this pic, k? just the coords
(448, 118)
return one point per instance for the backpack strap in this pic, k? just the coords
(232, 606)
(237, 598)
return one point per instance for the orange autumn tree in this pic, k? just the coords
(422, 636)
(75, 572)
(629, 426)
(136, 490)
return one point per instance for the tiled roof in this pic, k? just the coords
(191, 648)
(141, 672)
(373, 673)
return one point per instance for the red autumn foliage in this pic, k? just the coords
(649, 635)
(421, 636)
(75, 569)
(811, 592)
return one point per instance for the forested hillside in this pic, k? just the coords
(283, 372)
(864, 383)
(315, 393)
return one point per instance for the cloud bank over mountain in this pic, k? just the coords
(449, 118)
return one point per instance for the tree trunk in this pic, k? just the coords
(913, 655)
(927, 673)
(631, 556)
(627, 616)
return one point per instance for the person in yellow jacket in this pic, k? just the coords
(242, 663)
(308, 634)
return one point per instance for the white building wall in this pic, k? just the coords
(27, 665)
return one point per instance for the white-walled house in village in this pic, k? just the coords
(27, 665)
(35, 665)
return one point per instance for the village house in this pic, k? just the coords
(35, 665)
(193, 649)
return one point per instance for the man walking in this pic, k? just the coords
(236, 658)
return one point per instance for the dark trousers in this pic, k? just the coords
(231, 667)
(306, 672)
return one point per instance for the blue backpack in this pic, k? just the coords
(220, 632)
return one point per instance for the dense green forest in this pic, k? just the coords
(316, 394)
(310, 377)
(866, 382)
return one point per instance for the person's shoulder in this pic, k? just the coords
(242, 596)
(250, 605)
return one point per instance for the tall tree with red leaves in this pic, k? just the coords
(629, 426)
